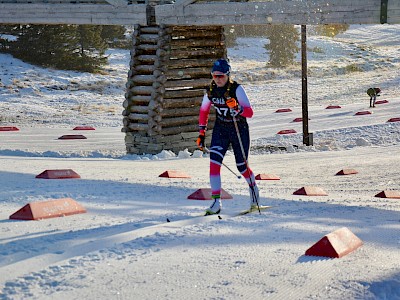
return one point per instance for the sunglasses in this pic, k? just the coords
(218, 75)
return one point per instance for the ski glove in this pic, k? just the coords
(201, 140)
(232, 103)
(236, 111)
(234, 107)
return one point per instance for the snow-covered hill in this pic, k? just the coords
(123, 248)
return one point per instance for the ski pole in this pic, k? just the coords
(238, 176)
(246, 163)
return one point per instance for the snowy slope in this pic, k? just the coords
(123, 248)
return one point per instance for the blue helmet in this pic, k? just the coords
(221, 65)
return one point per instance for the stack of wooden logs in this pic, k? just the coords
(169, 71)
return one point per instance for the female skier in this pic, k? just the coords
(232, 105)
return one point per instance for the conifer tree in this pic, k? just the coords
(91, 47)
(331, 30)
(283, 45)
(113, 35)
(71, 47)
(48, 45)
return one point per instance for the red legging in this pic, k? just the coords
(224, 135)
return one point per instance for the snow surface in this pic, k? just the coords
(123, 248)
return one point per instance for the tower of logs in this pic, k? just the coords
(169, 71)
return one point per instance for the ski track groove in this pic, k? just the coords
(86, 245)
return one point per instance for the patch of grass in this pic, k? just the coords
(316, 50)
(353, 68)
(94, 108)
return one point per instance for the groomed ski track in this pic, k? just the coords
(295, 278)
(17, 265)
(86, 244)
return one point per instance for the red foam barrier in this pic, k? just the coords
(174, 174)
(287, 131)
(84, 128)
(347, 172)
(333, 107)
(298, 120)
(205, 194)
(336, 244)
(48, 209)
(58, 174)
(360, 113)
(72, 137)
(310, 191)
(267, 177)
(381, 102)
(8, 128)
(393, 120)
(389, 194)
(281, 110)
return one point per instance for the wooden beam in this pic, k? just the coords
(184, 3)
(393, 12)
(91, 14)
(190, 12)
(307, 137)
(73, 2)
(276, 12)
(117, 2)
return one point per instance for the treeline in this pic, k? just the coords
(283, 39)
(82, 47)
(66, 47)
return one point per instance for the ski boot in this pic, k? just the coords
(254, 197)
(215, 208)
